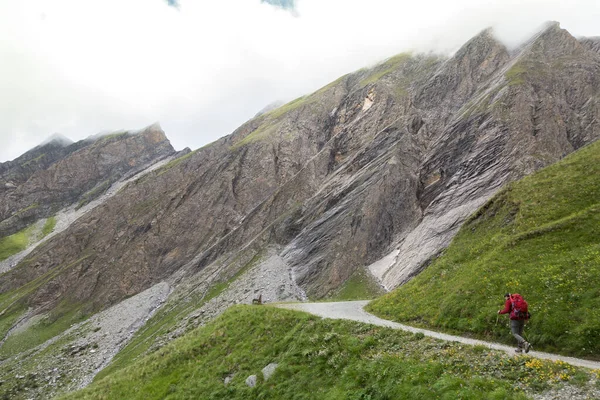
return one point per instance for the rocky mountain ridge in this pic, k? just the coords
(56, 174)
(375, 171)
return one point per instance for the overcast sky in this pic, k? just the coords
(201, 68)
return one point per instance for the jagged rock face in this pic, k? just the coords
(17, 171)
(539, 106)
(383, 161)
(592, 43)
(52, 176)
(513, 116)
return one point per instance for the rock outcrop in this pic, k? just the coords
(17, 171)
(54, 175)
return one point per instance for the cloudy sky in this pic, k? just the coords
(201, 68)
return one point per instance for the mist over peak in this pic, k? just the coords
(57, 138)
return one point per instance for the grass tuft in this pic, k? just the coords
(516, 75)
(360, 286)
(48, 226)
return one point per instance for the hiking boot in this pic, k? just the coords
(519, 350)
(526, 347)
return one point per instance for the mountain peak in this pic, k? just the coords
(552, 29)
(483, 46)
(551, 26)
(58, 139)
(270, 107)
(482, 41)
(154, 127)
(552, 41)
(591, 43)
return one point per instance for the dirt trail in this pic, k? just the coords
(353, 310)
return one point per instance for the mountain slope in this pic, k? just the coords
(534, 110)
(376, 171)
(327, 359)
(17, 171)
(539, 237)
(54, 175)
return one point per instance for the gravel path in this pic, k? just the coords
(353, 310)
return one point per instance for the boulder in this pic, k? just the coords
(251, 380)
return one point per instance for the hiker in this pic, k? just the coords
(517, 319)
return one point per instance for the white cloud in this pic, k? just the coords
(80, 67)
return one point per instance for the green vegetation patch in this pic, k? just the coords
(264, 131)
(49, 226)
(322, 359)
(529, 70)
(10, 317)
(19, 295)
(56, 322)
(516, 75)
(33, 368)
(30, 207)
(360, 286)
(15, 243)
(539, 237)
(104, 140)
(271, 121)
(176, 162)
(14, 303)
(333, 84)
(288, 107)
(385, 68)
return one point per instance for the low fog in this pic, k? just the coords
(202, 68)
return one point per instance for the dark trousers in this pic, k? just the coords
(516, 327)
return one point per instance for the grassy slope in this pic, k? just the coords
(360, 286)
(323, 359)
(165, 321)
(13, 244)
(385, 68)
(539, 237)
(13, 306)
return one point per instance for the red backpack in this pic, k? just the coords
(519, 307)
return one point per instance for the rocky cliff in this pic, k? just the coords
(375, 171)
(56, 174)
